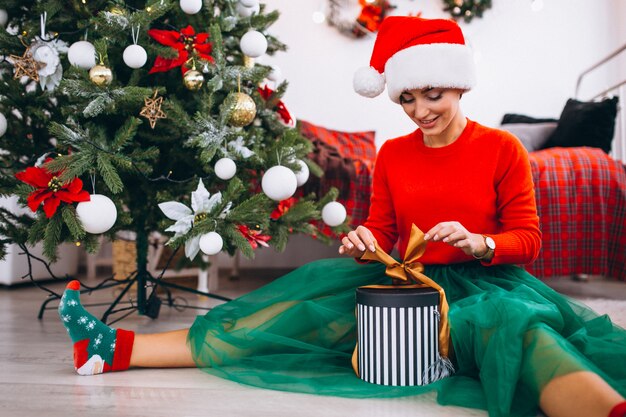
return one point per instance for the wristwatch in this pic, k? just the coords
(491, 248)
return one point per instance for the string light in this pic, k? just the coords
(77, 243)
(318, 17)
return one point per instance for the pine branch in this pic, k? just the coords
(109, 173)
(125, 133)
(252, 211)
(71, 221)
(52, 237)
(37, 230)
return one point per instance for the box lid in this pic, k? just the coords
(397, 297)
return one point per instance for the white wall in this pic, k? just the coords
(527, 61)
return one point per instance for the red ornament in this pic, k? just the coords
(186, 42)
(372, 15)
(254, 237)
(50, 190)
(266, 93)
(283, 207)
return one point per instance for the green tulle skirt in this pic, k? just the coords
(511, 334)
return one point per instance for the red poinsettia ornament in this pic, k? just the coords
(50, 190)
(266, 93)
(187, 42)
(254, 237)
(283, 207)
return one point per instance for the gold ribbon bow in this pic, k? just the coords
(411, 271)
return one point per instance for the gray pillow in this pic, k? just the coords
(532, 135)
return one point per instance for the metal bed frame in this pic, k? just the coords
(618, 150)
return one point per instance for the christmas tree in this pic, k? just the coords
(150, 116)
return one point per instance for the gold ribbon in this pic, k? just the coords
(411, 271)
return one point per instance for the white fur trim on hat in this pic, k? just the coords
(446, 65)
(368, 82)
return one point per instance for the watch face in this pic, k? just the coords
(490, 243)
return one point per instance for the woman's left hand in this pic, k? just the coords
(454, 234)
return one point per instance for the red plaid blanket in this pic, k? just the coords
(581, 200)
(360, 149)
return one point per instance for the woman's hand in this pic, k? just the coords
(355, 242)
(454, 234)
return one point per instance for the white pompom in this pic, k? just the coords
(3, 125)
(253, 44)
(368, 82)
(303, 175)
(249, 3)
(275, 74)
(4, 17)
(244, 11)
(211, 243)
(135, 56)
(82, 54)
(225, 168)
(191, 6)
(334, 214)
(279, 183)
(97, 215)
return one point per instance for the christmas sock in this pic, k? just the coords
(98, 348)
(619, 410)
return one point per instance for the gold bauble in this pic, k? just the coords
(244, 110)
(100, 75)
(193, 80)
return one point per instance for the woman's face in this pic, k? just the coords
(432, 109)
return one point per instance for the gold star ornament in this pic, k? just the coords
(152, 109)
(25, 65)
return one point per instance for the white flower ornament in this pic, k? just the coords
(201, 204)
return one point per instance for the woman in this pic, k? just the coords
(517, 344)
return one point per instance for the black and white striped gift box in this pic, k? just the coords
(397, 330)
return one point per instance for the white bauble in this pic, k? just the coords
(97, 215)
(279, 183)
(4, 17)
(191, 6)
(225, 168)
(303, 175)
(244, 11)
(249, 3)
(135, 56)
(334, 214)
(275, 74)
(253, 44)
(3, 125)
(211, 243)
(82, 54)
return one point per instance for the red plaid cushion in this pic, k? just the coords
(360, 148)
(581, 200)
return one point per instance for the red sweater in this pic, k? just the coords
(482, 180)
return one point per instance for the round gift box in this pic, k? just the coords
(397, 334)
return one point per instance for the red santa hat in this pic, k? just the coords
(411, 52)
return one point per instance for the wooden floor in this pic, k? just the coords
(37, 376)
